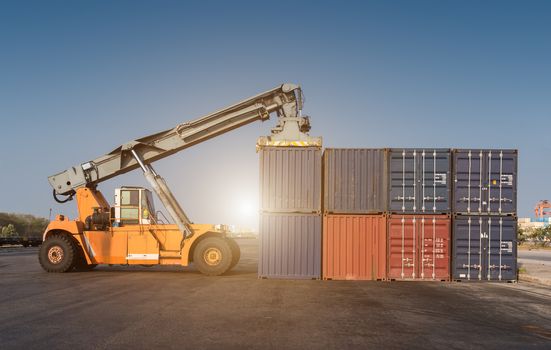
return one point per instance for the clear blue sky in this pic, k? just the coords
(77, 78)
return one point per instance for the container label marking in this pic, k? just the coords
(507, 246)
(440, 178)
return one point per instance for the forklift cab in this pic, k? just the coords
(133, 205)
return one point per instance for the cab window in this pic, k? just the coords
(130, 200)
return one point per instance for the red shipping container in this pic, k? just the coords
(418, 247)
(354, 247)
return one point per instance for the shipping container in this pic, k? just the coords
(419, 181)
(290, 179)
(485, 181)
(290, 246)
(419, 247)
(484, 248)
(354, 247)
(355, 181)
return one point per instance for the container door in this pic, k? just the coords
(434, 181)
(501, 252)
(469, 248)
(402, 249)
(403, 174)
(419, 181)
(469, 192)
(434, 247)
(501, 187)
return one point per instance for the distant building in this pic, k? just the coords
(527, 224)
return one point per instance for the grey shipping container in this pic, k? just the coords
(484, 248)
(290, 246)
(485, 181)
(419, 181)
(290, 179)
(355, 180)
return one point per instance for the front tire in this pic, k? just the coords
(58, 254)
(81, 265)
(213, 256)
(85, 267)
(236, 252)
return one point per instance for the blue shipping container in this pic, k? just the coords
(484, 248)
(485, 181)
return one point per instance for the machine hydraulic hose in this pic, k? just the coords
(69, 197)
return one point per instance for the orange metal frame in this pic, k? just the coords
(540, 209)
(128, 244)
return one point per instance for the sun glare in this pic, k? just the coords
(247, 208)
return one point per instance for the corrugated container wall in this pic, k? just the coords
(290, 179)
(485, 181)
(355, 181)
(419, 247)
(485, 248)
(354, 247)
(419, 181)
(290, 246)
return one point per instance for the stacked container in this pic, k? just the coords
(485, 220)
(388, 214)
(290, 219)
(354, 222)
(419, 224)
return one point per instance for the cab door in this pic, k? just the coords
(143, 248)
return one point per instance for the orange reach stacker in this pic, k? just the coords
(131, 231)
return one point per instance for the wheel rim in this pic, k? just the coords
(212, 256)
(55, 254)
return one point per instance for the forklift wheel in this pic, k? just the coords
(85, 267)
(57, 254)
(213, 256)
(81, 265)
(235, 251)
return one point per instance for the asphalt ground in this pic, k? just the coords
(539, 256)
(118, 307)
(535, 266)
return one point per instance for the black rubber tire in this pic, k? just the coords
(222, 246)
(235, 251)
(81, 265)
(85, 267)
(67, 246)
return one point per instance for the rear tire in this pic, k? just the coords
(235, 251)
(213, 256)
(58, 254)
